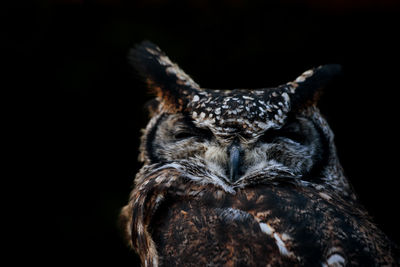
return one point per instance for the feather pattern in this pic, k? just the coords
(244, 177)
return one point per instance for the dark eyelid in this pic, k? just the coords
(198, 132)
(286, 132)
(269, 136)
(192, 131)
(295, 136)
(183, 135)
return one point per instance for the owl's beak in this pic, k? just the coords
(234, 162)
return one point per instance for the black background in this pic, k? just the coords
(86, 105)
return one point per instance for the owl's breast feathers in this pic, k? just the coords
(172, 220)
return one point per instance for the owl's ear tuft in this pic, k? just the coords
(165, 79)
(307, 87)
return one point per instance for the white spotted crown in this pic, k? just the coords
(225, 112)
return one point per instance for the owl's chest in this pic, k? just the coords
(275, 225)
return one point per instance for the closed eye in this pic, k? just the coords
(295, 136)
(272, 136)
(193, 132)
(183, 135)
(269, 136)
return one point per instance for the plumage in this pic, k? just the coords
(244, 178)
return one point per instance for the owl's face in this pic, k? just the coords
(220, 162)
(295, 147)
(240, 137)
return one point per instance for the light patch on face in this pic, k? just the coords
(216, 168)
(186, 167)
(263, 165)
(216, 158)
(265, 126)
(257, 159)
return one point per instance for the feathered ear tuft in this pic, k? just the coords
(171, 85)
(307, 87)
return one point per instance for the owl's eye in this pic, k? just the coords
(183, 135)
(269, 136)
(292, 135)
(291, 132)
(193, 132)
(294, 132)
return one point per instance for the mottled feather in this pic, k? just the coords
(287, 202)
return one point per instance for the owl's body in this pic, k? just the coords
(280, 225)
(243, 178)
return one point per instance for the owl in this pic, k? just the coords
(243, 177)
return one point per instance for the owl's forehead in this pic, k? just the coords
(250, 112)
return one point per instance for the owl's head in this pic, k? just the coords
(239, 137)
